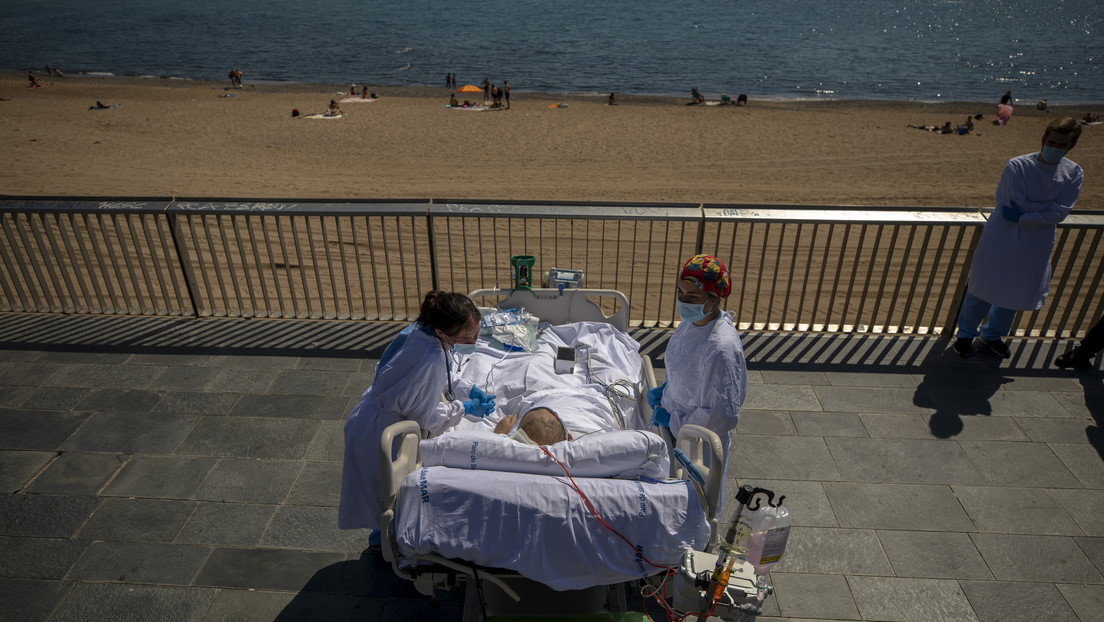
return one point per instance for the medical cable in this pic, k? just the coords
(487, 382)
(617, 389)
(586, 501)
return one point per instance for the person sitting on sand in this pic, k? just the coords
(613, 99)
(967, 127)
(726, 100)
(696, 95)
(741, 99)
(334, 110)
(1090, 118)
(453, 103)
(34, 80)
(353, 92)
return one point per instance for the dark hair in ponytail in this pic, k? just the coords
(447, 312)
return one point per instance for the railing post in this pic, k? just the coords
(185, 266)
(434, 278)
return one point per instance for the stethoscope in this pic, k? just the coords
(449, 395)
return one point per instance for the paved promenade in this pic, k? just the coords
(180, 469)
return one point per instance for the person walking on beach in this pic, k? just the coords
(1010, 270)
(506, 92)
(486, 89)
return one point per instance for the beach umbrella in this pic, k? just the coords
(469, 88)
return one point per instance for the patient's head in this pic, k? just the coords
(543, 427)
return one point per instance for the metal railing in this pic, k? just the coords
(799, 268)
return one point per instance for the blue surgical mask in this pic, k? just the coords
(464, 349)
(690, 312)
(1052, 155)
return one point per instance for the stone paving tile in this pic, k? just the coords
(113, 376)
(29, 374)
(120, 401)
(894, 599)
(291, 407)
(39, 558)
(250, 481)
(828, 424)
(1084, 461)
(896, 426)
(792, 457)
(933, 555)
(306, 382)
(142, 520)
(897, 506)
(1086, 507)
(357, 383)
(227, 524)
(311, 529)
(1093, 548)
(766, 422)
(75, 473)
(781, 397)
(1019, 464)
(263, 569)
(1054, 430)
(319, 484)
(169, 359)
(249, 438)
(37, 599)
(420, 609)
(807, 502)
(868, 379)
(1006, 402)
(902, 461)
(130, 434)
(1018, 602)
(863, 400)
(253, 362)
(242, 380)
(989, 428)
(54, 398)
(191, 403)
(1016, 510)
(233, 605)
(46, 516)
(328, 444)
(178, 377)
(794, 377)
(822, 550)
(1087, 601)
(140, 562)
(18, 467)
(12, 397)
(36, 429)
(321, 363)
(1053, 559)
(813, 596)
(165, 477)
(121, 602)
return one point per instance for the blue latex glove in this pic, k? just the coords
(478, 394)
(660, 417)
(655, 395)
(1012, 213)
(478, 408)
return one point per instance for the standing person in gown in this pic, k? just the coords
(706, 371)
(1011, 266)
(413, 374)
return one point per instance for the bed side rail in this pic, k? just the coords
(703, 447)
(555, 307)
(392, 473)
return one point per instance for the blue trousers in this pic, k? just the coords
(975, 309)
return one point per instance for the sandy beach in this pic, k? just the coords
(188, 138)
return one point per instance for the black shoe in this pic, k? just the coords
(998, 347)
(1073, 359)
(964, 346)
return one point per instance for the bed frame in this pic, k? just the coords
(491, 591)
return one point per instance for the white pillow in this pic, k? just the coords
(616, 453)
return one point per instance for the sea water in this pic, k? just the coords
(914, 50)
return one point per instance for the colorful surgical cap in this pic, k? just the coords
(708, 273)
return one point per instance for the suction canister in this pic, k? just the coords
(523, 271)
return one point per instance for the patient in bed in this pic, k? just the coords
(539, 426)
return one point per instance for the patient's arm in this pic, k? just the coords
(505, 424)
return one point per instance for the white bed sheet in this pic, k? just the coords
(524, 380)
(539, 527)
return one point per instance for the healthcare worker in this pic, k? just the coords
(409, 385)
(706, 372)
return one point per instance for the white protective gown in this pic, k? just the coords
(408, 387)
(1011, 265)
(706, 378)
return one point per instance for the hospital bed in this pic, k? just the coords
(536, 532)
